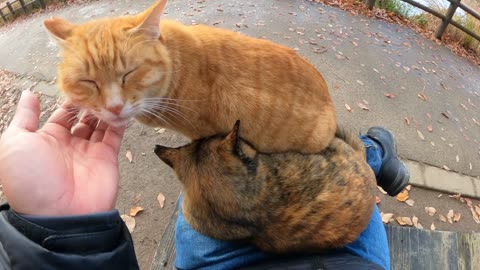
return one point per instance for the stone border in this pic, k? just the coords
(446, 181)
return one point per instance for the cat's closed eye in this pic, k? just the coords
(124, 78)
(91, 83)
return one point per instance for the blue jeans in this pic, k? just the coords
(197, 251)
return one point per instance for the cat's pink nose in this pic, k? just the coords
(115, 109)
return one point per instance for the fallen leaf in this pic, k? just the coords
(402, 196)
(416, 223)
(376, 70)
(363, 106)
(420, 134)
(360, 82)
(442, 218)
(386, 217)
(446, 168)
(217, 22)
(455, 196)
(129, 156)
(381, 190)
(432, 227)
(129, 221)
(377, 200)
(410, 202)
(430, 128)
(430, 210)
(450, 216)
(475, 214)
(456, 217)
(408, 187)
(422, 96)
(135, 210)
(348, 107)
(389, 95)
(404, 221)
(432, 143)
(161, 200)
(468, 202)
(407, 121)
(457, 158)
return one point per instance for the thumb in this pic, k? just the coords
(27, 112)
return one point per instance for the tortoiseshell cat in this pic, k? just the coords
(196, 80)
(280, 202)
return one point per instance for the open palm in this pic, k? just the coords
(58, 169)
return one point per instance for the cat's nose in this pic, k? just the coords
(115, 109)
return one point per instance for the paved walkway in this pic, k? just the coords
(361, 59)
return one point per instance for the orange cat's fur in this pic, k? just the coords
(196, 80)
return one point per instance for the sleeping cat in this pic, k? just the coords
(282, 202)
(196, 80)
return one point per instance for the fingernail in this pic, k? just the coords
(26, 92)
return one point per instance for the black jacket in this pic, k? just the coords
(102, 241)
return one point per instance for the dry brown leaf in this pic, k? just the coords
(442, 218)
(408, 187)
(129, 156)
(377, 200)
(410, 202)
(389, 95)
(135, 210)
(416, 223)
(476, 213)
(422, 96)
(430, 210)
(468, 202)
(161, 200)
(420, 134)
(429, 128)
(432, 227)
(456, 217)
(386, 217)
(381, 190)
(348, 107)
(404, 221)
(129, 221)
(456, 196)
(450, 216)
(402, 196)
(407, 121)
(363, 106)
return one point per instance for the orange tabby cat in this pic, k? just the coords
(196, 80)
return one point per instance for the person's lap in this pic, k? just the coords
(197, 251)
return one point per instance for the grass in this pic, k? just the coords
(430, 22)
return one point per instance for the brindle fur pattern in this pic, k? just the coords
(282, 202)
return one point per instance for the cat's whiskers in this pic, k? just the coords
(172, 111)
(157, 116)
(162, 102)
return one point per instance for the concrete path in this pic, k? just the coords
(361, 59)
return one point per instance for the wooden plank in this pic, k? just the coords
(22, 3)
(10, 8)
(370, 4)
(448, 18)
(3, 15)
(164, 258)
(412, 248)
(427, 9)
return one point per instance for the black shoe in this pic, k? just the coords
(394, 175)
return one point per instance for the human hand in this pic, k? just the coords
(58, 169)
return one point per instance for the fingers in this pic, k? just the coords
(27, 112)
(113, 137)
(85, 126)
(64, 116)
(99, 132)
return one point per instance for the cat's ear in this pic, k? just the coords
(59, 29)
(232, 139)
(167, 154)
(150, 23)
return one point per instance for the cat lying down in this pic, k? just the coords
(282, 202)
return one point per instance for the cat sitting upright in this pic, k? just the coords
(196, 80)
(281, 202)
